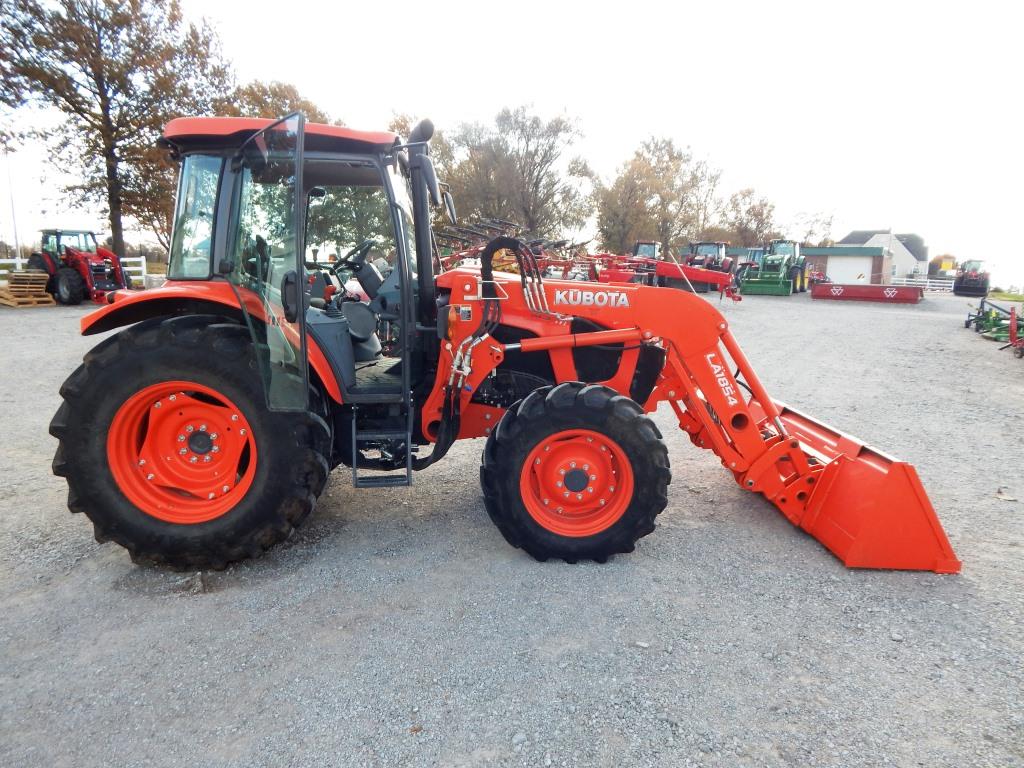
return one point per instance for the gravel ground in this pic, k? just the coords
(398, 628)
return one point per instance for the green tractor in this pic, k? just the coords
(782, 271)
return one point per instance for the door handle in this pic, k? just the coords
(290, 295)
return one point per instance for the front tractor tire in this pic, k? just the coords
(69, 287)
(576, 472)
(169, 449)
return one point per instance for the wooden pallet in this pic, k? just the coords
(27, 283)
(8, 299)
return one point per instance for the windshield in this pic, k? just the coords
(972, 266)
(647, 250)
(782, 248)
(193, 218)
(403, 198)
(707, 249)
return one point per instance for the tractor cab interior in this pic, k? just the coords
(350, 219)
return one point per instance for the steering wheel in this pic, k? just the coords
(356, 258)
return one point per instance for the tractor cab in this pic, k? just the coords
(647, 249)
(709, 255)
(779, 255)
(320, 231)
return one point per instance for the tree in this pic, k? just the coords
(814, 228)
(518, 170)
(273, 99)
(152, 177)
(751, 219)
(115, 70)
(622, 215)
(662, 193)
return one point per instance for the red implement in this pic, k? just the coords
(889, 294)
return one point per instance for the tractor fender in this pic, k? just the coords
(192, 298)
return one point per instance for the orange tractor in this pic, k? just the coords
(203, 431)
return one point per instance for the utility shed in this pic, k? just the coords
(850, 264)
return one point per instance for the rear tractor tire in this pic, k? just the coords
(576, 472)
(169, 449)
(69, 287)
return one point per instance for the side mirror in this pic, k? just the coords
(449, 207)
(430, 177)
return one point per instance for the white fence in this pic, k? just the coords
(133, 265)
(943, 284)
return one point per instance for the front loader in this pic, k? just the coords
(203, 431)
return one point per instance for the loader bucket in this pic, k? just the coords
(767, 287)
(868, 508)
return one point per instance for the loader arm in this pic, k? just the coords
(869, 509)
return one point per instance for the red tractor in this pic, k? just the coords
(204, 430)
(79, 268)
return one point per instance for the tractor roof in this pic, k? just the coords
(68, 232)
(195, 132)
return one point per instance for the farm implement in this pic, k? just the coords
(204, 430)
(647, 265)
(991, 320)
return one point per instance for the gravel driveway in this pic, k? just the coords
(398, 628)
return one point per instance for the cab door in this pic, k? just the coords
(267, 257)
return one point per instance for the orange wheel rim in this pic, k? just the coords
(181, 452)
(576, 483)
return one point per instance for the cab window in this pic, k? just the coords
(192, 239)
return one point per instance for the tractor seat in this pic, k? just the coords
(362, 327)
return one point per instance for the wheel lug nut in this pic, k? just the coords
(547, 501)
(206, 457)
(572, 465)
(194, 459)
(611, 488)
(561, 471)
(234, 417)
(189, 428)
(157, 404)
(150, 476)
(183, 451)
(590, 490)
(601, 502)
(593, 477)
(142, 462)
(579, 497)
(586, 467)
(215, 449)
(181, 438)
(202, 427)
(241, 432)
(566, 494)
(224, 489)
(558, 484)
(213, 435)
(211, 495)
(173, 397)
(537, 461)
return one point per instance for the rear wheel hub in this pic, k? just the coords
(181, 452)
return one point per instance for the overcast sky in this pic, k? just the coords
(902, 115)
